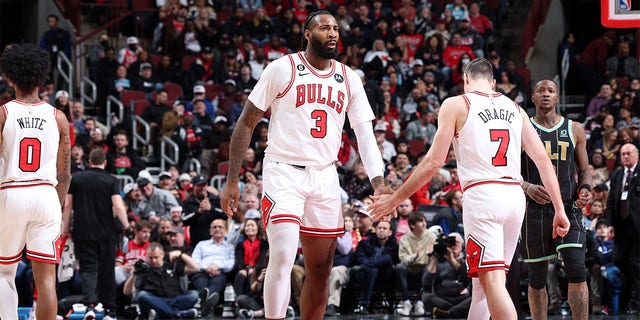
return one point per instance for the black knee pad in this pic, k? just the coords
(538, 274)
(574, 264)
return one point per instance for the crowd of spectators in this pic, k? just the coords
(409, 55)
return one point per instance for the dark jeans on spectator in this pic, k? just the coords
(97, 260)
(216, 283)
(367, 277)
(403, 274)
(241, 284)
(167, 308)
(248, 302)
(458, 306)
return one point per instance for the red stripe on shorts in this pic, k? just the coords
(11, 259)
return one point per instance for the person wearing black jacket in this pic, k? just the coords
(377, 255)
(200, 209)
(122, 159)
(623, 214)
(446, 283)
(160, 290)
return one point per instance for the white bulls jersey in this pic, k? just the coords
(30, 140)
(488, 147)
(308, 108)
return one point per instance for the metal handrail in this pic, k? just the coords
(62, 58)
(111, 99)
(195, 165)
(146, 129)
(124, 179)
(83, 94)
(164, 157)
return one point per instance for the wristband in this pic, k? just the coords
(585, 186)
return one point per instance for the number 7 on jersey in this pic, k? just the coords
(502, 137)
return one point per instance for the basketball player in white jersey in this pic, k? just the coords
(35, 163)
(309, 95)
(488, 131)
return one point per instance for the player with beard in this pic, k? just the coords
(309, 95)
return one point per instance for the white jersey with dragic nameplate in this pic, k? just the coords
(488, 147)
(30, 140)
(308, 109)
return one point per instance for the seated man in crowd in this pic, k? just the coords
(156, 202)
(215, 258)
(158, 285)
(377, 256)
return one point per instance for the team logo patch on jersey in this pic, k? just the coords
(339, 78)
(267, 206)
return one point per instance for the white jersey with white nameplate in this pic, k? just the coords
(30, 140)
(488, 147)
(308, 109)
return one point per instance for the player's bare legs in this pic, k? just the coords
(479, 309)
(578, 296)
(283, 238)
(318, 259)
(538, 301)
(44, 275)
(500, 305)
(9, 292)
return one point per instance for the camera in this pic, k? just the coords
(441, 245)
(140, 267)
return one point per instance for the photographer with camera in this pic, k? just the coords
(446, 276)
(158, 285)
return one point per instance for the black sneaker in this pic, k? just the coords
(361, 309)
(209, 303)
(109, 315)
(331, 311)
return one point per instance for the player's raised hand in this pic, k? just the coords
(229, 198)
(383, 205)
(560, 224)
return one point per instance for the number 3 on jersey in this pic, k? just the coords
(30, 154)
(320, 130)
(502, 136)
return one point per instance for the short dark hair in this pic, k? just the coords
(479, 68)
(307, 23)
(415, 217)
(97, 157)
(53, 16)
(25, 65)
(143, 224)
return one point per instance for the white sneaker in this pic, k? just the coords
(404, 308)
(418, 308)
